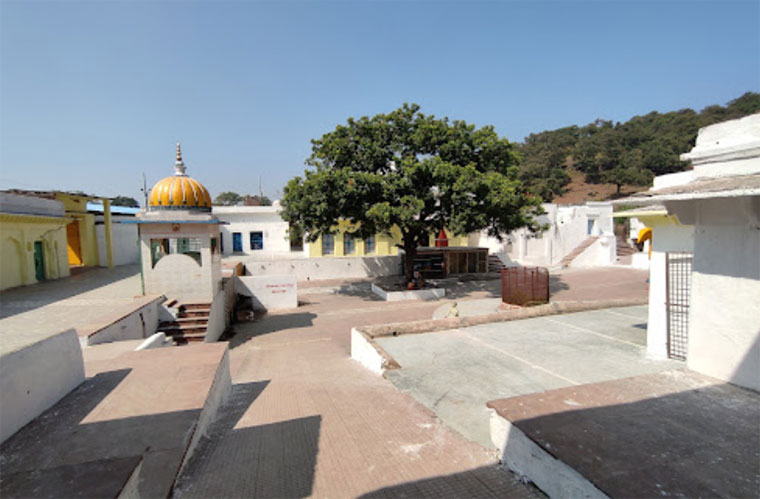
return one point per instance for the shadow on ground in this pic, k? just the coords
(244, 331)
(486, 481)
(270, 460)
(696, 443)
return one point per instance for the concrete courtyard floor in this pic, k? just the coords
(94, 296)
(456, 372)
(305, 419)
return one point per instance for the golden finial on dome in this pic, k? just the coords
(179, 166)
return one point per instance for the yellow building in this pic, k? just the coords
(342, 244)
(32, 240)
(80, 229)
(36, 218)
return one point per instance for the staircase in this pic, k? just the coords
(190, 324)
(565, 262)
(495, 264)
(624, 252)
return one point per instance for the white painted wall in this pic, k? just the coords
(37, 376)
(306, 269)
(666, 236)
(141, 323)
(568, 228)
(724, 315)
(126, 243)
(363, 352)
(180, 276)
(247, 219)
(269, 292)
(221, 310)
(601, 252)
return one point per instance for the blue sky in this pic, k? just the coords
(93, 94)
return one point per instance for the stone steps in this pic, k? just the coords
(567, 260)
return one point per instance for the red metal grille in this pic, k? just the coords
(525, 285)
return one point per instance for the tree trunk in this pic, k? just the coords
(410, 252)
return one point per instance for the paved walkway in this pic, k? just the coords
(305, 419)
(30, 313)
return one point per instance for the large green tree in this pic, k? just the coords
(125, 201)
(413, 171)
(228, 198)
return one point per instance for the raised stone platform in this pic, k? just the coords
(127, 430)
(675, 433)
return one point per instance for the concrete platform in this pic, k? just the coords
(455, 372)
(135, 420)
(674, 433)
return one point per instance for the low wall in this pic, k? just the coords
(221, 310)
(603, 251)
(371, 355)
(270, 292)
(37, 376)
(140, 322)
(411, 294)
(527, 459)
(308, 269)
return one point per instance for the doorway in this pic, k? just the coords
(39, 261)
(72, 239)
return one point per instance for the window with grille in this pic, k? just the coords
(257, 241)
(328, 244)
(349, 245)
(369, 245)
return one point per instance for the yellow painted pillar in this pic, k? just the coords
(108, 231)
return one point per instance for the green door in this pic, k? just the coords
(39, 261)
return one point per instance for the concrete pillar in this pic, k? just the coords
(108, 231)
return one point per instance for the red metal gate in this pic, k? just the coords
(525, 285)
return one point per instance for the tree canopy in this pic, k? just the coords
(413, 171)
(125, 201)
(620, 153)
(228, 198)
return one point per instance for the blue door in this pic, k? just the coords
(237, 242)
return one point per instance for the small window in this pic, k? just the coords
(190, 246)
(237, 242)
(349, 245)
(257, 241)
(328, 244)
(369, 245)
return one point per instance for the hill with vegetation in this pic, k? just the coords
(603, 159)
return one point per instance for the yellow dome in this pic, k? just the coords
(179, 191)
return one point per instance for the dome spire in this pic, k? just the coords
(179, 166)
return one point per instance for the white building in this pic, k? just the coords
(254, 231)
(578, 236)
(705, 276)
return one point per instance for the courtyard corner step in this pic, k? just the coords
(495, 264)
(577, 251)
(190, 324)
